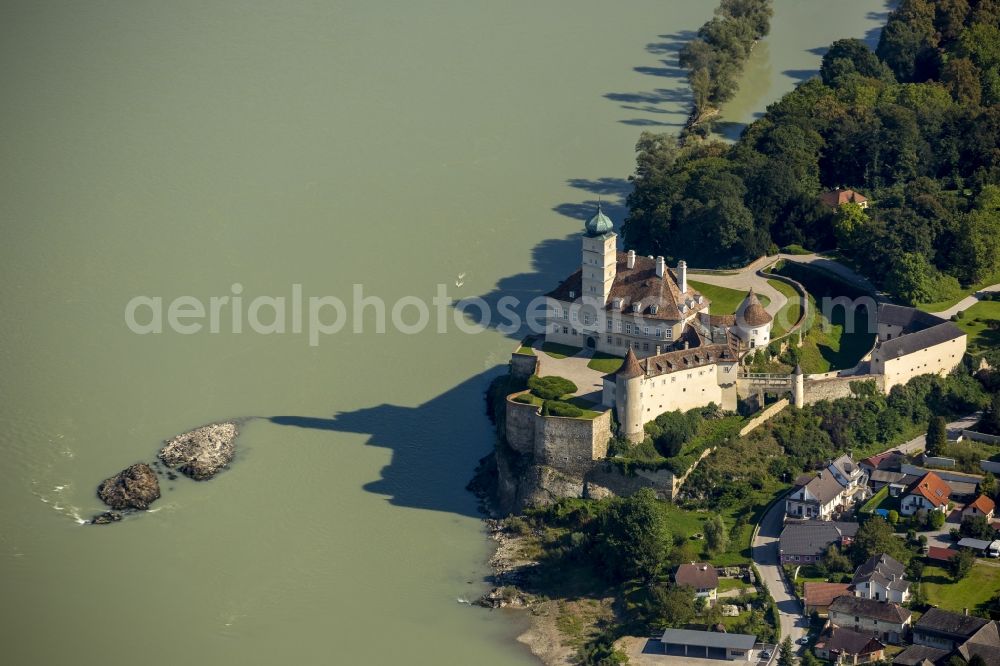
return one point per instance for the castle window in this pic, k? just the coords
(609, 324)
(628, 328)
(645, 346)
(659, 333)
(618, 341)
(609, 339)
(565, 331)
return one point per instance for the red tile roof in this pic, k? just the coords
(932, 488)
(984, 504)
(837, 197)
(940, 554)
(823, 594)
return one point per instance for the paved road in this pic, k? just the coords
(765, 557)
(849, 275)
(966, 302)
(744, 279)
(954, 430)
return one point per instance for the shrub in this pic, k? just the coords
(551, 387)
(524, 398)
(559, 408)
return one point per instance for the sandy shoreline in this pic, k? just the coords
(542, 637)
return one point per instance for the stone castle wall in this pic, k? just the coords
(520, 425)
(522, 366)
(571, 444)
(837, 387)
(568, 444)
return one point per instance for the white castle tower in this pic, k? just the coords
(600, 254)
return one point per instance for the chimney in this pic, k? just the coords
(631, 259)
(660, 266)
(682, 276)
(686, 344)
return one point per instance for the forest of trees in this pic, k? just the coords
(715, 58)
(913, 125)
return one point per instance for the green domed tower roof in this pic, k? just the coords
(600, 224)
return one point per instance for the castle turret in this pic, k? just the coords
(628, 400)
(600, 256)
(753, 323)
(798, 387)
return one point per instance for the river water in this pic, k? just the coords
(176, 149)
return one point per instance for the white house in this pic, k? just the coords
(929, 493)
(881, 578)
(839, 486)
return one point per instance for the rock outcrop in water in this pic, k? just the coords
(134, 487)
(201, 453)
(106, 518)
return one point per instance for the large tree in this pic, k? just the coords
(937, 436)
(633, 537)
(876, 537)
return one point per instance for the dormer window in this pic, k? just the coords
(653, 309)
(636, 307)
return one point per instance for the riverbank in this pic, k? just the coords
(556, 627)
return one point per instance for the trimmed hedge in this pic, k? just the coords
(551, 387)
(559, 408)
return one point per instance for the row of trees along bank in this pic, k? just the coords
(715, 59)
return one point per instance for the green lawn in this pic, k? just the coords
(978, 587)
(974, 323)
(556, 350)
(605, 362)
(790, 313)
(526, 350)
(828, 346)
(727, 584)
(937, 306)
(724, 300)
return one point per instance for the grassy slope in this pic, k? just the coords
(790, 313)
(937, 306)
(974, 323)
(724, 300)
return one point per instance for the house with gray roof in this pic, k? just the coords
(881, 578)
(887, 621)
(832, 490)
(946, 630)
(806, 542)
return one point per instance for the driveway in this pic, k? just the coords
(743, 280)
(765, 557)
(589, 383)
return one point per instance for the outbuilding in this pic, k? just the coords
(708, 645)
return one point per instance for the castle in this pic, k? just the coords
(626, 305)
(678, 356)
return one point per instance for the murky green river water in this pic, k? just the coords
(176, 148)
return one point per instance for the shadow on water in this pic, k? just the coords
(800, 75)
(677, 100)
(434, 445)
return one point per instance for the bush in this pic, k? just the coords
(524, 398)
(559, 408)
(551, 387)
